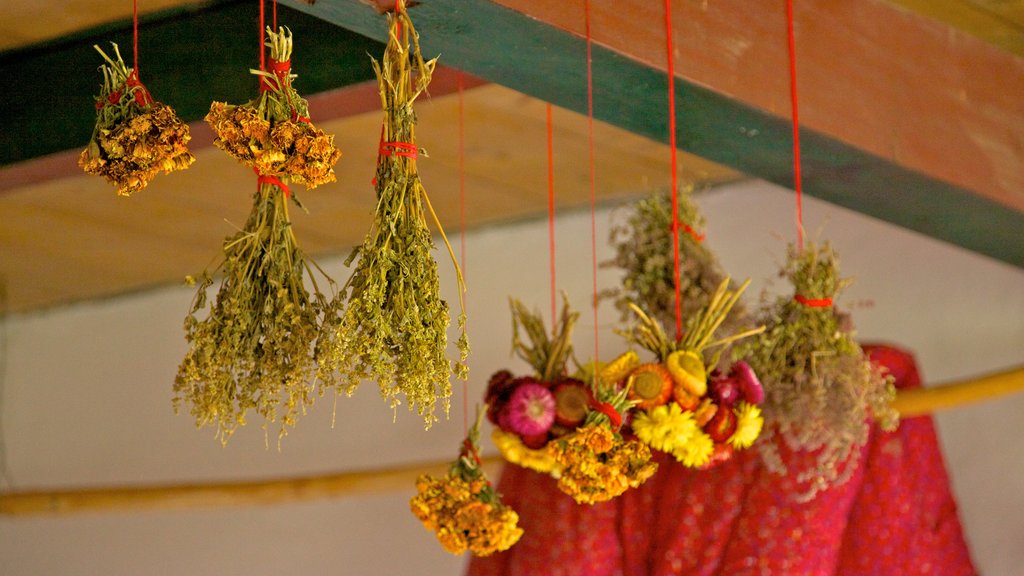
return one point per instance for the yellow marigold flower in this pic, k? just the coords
(665, 428)
(748, 425)
(513, 450)
(697, 451)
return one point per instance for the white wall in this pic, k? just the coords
(86, 394)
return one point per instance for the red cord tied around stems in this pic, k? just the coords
(142, 95)
(272, 180)
(469, 451)
(398, 149)
(697, 236)
(281, 69)
(404, 149)
(606, 409)
(813, 302)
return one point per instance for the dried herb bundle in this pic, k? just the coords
(821, 391)
(547, 355)
(643, 250)
(135, 137)
(273, 133)
(463, 509)
(254, 347)
(394, 328)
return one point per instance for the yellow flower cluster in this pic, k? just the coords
(599, 466)
(285, 148)
(671, 429)
(130, 152)
(513, 450)
(748, 425)
(465, 515)
(666, 427)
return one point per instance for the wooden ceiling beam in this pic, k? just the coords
(189, 57)
(904, 118)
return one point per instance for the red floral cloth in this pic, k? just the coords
(896, 515)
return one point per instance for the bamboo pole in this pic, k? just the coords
(262, 492)
(909, 403)
(923, 401)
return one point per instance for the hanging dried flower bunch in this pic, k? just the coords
(463, 508)
(394, 326)
(644, 252)
(254, 347)
(135, 137)
(273, 133)
(821, 391)
(685, 406)
(559, 425)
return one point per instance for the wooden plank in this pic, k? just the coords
(914, 123)
(188, 58)
(999, 23)
(70, 238)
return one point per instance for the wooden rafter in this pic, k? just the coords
(914, 122)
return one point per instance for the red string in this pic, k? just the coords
(262, 179)
(675, 169)
(813, 302)
(263, 62)
(404, 149)
(462, 229)
(551, 219)
(275, 15)
(593, 198)
(797, 185)
(608, 410)
(135, 36)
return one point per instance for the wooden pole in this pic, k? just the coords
(263, 492)
(924, 401)
(909, 403)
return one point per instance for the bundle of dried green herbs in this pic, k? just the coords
(644, 252)
(821, 391)
(273, 133)
(394, 326)
(254, 347)
(548, 355)
(135, 137)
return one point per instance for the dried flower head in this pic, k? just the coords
(463, 509)
(821, 391)
(273, 133)
(597, 465)
(135, 137)
(394, 326)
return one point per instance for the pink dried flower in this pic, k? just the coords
(531, 410)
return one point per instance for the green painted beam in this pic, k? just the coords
(506, 47)
(188, 58)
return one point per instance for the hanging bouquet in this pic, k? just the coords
(683, 404)
(821, 391)
(393, 329)
(463, 509)
(644, 251)
(135, 137)
(563, 426)
(254, 347)
(273, 133)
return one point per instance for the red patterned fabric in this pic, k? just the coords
(896, 515)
